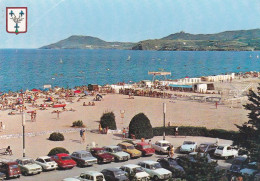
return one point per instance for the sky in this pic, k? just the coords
(50, 21)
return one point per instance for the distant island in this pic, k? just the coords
(241, 40)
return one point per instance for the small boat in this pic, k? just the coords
(129, 58)
(58, 105)
(61, 61)
(257, 56)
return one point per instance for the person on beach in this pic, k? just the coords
(81, 134)
(84, 104)
(34, 115)
(171, 152)
(176, 131)
(124, 133)
(8, 150)
(93, 104)
(58, 114)
(216, 104)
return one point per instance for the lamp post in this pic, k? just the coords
(164, 112)
(23, 124)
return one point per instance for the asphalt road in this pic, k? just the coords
(58, 175)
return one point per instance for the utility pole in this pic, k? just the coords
(164, 112)
(23, 124)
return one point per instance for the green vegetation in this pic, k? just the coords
(242, 40)
(249, 132)
(141, 127)
(78, 123)
(56, 137)
(108, 120)
(57, 150)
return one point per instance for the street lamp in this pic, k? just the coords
(164, 112)
(23, 124)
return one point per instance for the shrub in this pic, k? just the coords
(197, 131)
(57, 150)
(56, 136)
(108, 120)
(141, 127)
(78, 123)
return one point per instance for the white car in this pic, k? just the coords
(188, 146)
(155, 170)
(88, 176)
(161, 146)
(28, 166)
(140, 174)
(225, 151)
(46, 163)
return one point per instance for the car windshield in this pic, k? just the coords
(100, 178)
(84, 155)
(138, 169)
(165, 144)
(13, 166)
(188, 143)
(47, 160)
(119, 173)
(101, 151)
(155, 166)
(220, 147)
(65, 158)
(130, 147)
(203, 145)
(25, 162)
(146, 146)
(118, 149)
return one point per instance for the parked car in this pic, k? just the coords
(10, 169)
(225, 151)
(101, 155)
(88, 176)
(129, 148)
(172, 165)
(249, 169)
(208, 148)
(135, 172)
(64, 160)
(114, 174)
(188, 146)
(117, 152)
(2, 176)
(28, 166)
(161, 146)
(237, 164)
(83, 158)
(46, 163)
(155, 170)
(145, 148)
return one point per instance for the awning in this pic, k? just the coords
(180, 86)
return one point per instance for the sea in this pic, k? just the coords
(33, 68)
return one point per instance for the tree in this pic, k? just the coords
(200, 168)
(108, 120)
(141, 127)
(249, 132)
(57, 150)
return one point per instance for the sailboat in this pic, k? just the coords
(129, 58)
(61, 61)
(257, 56)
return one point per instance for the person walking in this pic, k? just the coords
(81, 134)
(216, 104)
(171, 152)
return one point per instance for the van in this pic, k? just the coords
(10, 169)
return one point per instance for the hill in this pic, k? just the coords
(242, 40)
(87, 42)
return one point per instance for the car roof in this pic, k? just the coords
(44, 157)
(81, 151)
(142, 143)
(163, 141)
(224, 145)
(94, 173)
(62, 154)
(207, 143)
(189, 141)
(148, 162)
(111, 146)
(125, 144)
(24, 158)
(113, 169)
(131, 165)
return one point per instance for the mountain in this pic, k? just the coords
(241, 40)
(87, 42)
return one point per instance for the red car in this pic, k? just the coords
(64, 160)
(101, 155)
(10, 169)
(145, 148)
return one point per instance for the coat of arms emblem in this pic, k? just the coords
(16, 20)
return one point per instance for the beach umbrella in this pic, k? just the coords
(77, 91)
(35, 90)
